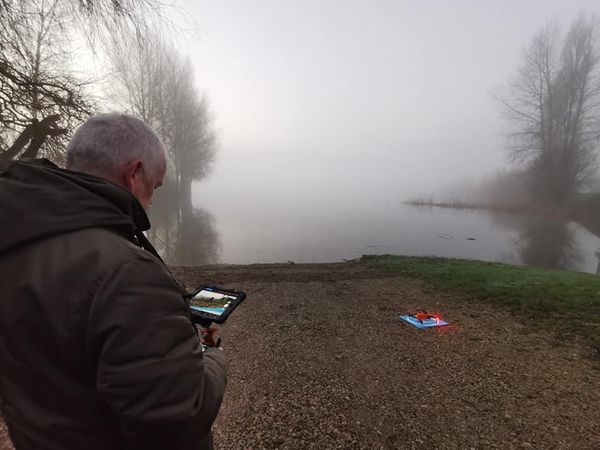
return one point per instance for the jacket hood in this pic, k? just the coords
(38, 200)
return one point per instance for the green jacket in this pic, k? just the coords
(97, 350)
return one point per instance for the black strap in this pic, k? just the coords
(146, 245)
(4, 165)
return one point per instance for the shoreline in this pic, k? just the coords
(567, 303)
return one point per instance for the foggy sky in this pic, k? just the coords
(375, 99)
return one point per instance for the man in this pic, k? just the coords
(97, 350)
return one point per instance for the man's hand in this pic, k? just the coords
(210, 336)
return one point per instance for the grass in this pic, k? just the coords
(567, 303)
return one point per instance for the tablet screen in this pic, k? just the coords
(211, 302)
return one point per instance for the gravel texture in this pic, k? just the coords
(320, 360)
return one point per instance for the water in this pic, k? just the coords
(328, 228)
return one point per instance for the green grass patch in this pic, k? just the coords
(567, 303)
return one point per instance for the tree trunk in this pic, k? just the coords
(36, 132)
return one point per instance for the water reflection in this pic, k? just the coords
(542, 241)
(334, 228)
(198, 240)
(182, 235)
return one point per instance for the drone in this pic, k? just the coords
(422, 316)
(423, 319)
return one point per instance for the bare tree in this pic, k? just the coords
(154, 82)
(40, 98)
(553, 105)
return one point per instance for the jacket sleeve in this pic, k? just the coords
(150, 367)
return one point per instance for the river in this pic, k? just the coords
(331, 228)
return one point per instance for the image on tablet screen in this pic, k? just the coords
(211, 302)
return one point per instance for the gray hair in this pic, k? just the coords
(106, 142)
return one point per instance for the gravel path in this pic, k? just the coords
(319, 360)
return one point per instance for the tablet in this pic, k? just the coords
(213, 304)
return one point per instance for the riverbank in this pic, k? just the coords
(319, 359)
(566, 303)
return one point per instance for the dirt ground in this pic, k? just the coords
(319, 360)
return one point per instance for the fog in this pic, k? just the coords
(325, 107)
(329, 92)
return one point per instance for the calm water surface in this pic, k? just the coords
(320, 230)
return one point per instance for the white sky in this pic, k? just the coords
(374, 97)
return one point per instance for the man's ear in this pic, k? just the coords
(131, 169)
